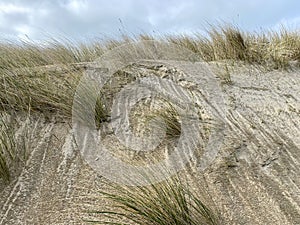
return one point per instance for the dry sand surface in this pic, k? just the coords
(254, 179)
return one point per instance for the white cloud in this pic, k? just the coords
(76, 6)
(12, 8)
(88, 18)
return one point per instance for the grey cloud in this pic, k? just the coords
(99, 17)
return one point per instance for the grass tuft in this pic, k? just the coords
(45, 76)
(15, 144)
(167, 118)
(169, 202)
(8, 149)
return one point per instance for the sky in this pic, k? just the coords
(87, 19)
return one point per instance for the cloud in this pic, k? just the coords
(11, 8)
(288, 23)
(77, 19)
(75, 6)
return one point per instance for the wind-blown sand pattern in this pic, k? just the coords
(255, 178)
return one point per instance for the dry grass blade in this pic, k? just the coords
(16, 139)
(166, 118)
(8, 149)
(27, 80)
(169, 202)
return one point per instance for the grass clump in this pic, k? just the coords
(8, 149)
(271, 49)
(52, 52)
(45, 76)
(221, 42)
(169, 202)
(166, 118)
(17, 135)
(49, 91)
(43, 91)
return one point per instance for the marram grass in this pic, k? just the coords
(270, 48)
(8, 149)
(165, 203)
(46, 76)
(15, 144)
